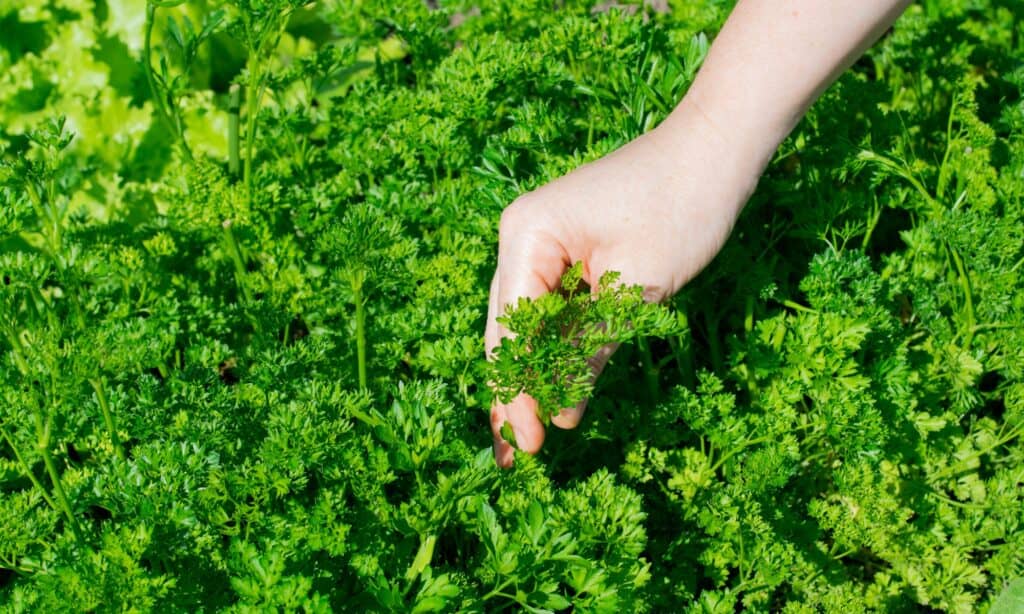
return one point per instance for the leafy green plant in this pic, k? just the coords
(284, 411)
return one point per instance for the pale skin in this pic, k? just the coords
(659, 209)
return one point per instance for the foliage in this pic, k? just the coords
(260, 385)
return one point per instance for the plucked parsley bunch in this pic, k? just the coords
(557, 335)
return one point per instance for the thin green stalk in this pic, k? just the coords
(1002, 440)
(251, 106)
(965, 286)
(725, 458)
(47, 212)
(650, 371)
(236, 257)
(357, 290)
(798, 306)
(108, 418)
(944, 166)
(876, 215)
(682, 350)
(900, 170)
(234, 107)
(19, 358)
(58, 489)
(28, 470)
(748, 327)
(748, 315)
(497, 591)
(43, 446)
(18, 568)
(45, 215)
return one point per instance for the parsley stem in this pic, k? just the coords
(682, 349)
(943, 179)
(357, 290)
(19, 357)
(236, 256)
(649, 369)
(251, 106)
(965, 286)
(951, 470)
(731, 453)
(497, 592)
(28, 470)
(798, 307)
(43, 446)
(234, 106)
(17, 568)
(876, 215)
(108, 418)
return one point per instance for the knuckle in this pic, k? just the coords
(515, 218)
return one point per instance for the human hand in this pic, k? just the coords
(657, 211)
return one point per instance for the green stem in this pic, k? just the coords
(876, 215)
(940, 188)
(798, 306)
(650, 370)
(357, 290)
(965, 286)
(236, 257)
(43, 446)
(45, 218)
(234, 106)
(497, 592)
(748, 315)
(725, 457)
(19, 358)
(963, 462)
(682, 350)
(748, 327)
(251, 107)
(26, 568)
(108, 418)
(28, 470)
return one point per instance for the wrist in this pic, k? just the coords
(711, 150)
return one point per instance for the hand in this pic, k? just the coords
(657, 211)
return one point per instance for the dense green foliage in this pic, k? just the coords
(241, 360)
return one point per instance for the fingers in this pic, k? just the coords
(528, 432)
(530, 263)
(569, 417)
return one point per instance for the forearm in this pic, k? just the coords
(771, 60)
